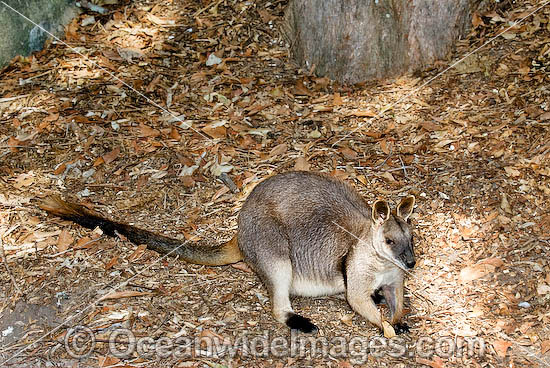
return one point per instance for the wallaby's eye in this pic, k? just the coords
(389, 241)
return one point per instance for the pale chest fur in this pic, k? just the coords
(389, 276)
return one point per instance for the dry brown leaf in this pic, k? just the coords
(362, 179)
(98, 161)
(174, 134)
(512, 171)
(321, 108)
(241, 266)
(477, 311)
(467, 231)
(278, 150)
(430, 126)
(300, 89)
(389, 331)
(301, 164)
(384, 146)
(187, 181)
(223, 190)
(124, 294)
(524, 69)
(191, 237)
(256, 109)
(477, 20)
(24, 180)
(525, 326)
(111, 263)
(210, 334)
(491, 216)
(160, 21)
(52, 117)
(148, 131)
(151, 86)
(84, 242)
(344, 364)
(388, 176)
(64, 240)
(227, 297)
(374, 135)
(362, 113)
(544, 346)
(138, 253)
(108, 361)
(111, 156)
(276, 92)
(215, 130)
(493, 261)
(475, 272)
(437, 362)
(60, 169)
(13, 143)
(337, 99)
(501, 347)
(504, 204)
(347, 319)
(348, 153)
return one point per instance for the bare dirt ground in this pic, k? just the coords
(154, 100)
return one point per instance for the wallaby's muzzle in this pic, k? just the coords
(408, 258)
(410, 263)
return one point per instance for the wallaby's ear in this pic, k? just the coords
(405, 207)
(380, 211)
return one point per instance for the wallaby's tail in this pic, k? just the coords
(191, 252)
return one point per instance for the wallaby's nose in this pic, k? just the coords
(410, 264)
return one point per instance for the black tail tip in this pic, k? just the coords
(302, 324)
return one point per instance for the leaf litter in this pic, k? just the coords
(155, 101)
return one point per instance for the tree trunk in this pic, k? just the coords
(352, 41)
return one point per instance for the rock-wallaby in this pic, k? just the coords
(304, 234)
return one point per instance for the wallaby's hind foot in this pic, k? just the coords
(302, 324)
(401, 328)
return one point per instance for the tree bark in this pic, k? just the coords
(353, 41)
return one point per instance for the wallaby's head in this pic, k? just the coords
(392, 235)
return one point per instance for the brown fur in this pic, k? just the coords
(304, 234)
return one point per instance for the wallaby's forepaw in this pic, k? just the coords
(302, 324)
(401, 328)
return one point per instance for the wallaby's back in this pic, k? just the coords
(301, 196)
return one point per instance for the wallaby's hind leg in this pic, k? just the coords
(267, 250)
(278, 282)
